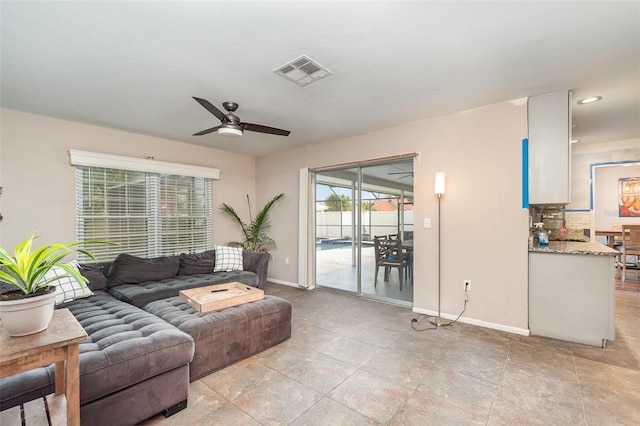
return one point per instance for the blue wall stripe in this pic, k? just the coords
(525, 173)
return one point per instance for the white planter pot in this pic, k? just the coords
(28, 315)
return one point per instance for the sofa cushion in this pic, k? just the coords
(257, 262)
(125, 346)
(197, 263)
(228, 259)
(143, 293)
(67, 287)
(128, 269)
(94, 272)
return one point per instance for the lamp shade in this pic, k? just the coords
(229, 131)
(439, 183)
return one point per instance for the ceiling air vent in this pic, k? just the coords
(302, 71)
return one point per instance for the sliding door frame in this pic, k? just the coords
(307, 252)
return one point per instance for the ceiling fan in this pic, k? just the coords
(405, 174)
(231, 124)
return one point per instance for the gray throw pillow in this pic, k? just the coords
(128, 269)
(197, 263)
(94, 272)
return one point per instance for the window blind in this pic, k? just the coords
(147, 214)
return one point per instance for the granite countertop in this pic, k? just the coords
(574, 247)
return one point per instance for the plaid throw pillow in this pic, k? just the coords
(228, 259)
(67, 289)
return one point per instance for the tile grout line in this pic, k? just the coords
(575, 369)
(495, 395)
(323, 395)
(228, 400)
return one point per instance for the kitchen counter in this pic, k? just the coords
(572, 292)
(575, 247)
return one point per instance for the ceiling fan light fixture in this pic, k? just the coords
(230, 131)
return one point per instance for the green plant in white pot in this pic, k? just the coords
(27, 307)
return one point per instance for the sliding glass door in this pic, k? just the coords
(337, 229)
(387, 205)
(353, 206)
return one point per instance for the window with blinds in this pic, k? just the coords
(147, 214)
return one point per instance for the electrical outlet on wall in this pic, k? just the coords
(467, 285)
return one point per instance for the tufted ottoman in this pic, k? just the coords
(228, 335)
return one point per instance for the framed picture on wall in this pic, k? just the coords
(629, 197)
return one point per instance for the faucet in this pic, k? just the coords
(542, 213)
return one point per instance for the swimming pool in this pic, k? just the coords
(336, 243)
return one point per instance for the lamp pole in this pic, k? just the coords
(439, 190)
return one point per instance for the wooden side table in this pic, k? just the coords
(57, 344)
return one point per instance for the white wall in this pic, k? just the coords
(484, 228)
(583, 156)
(39, 184)
(605, 195)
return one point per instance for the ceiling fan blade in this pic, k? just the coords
(264, 129)
(212, 109)
(204, 132)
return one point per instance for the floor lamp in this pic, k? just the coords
(439, 190)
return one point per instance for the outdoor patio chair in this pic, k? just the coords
(389, 254)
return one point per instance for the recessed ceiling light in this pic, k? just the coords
(589, 100)
(575, 141)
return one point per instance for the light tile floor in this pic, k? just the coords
(355, 361)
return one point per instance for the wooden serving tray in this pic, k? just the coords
(214, 297)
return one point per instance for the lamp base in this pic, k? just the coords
(440, 322)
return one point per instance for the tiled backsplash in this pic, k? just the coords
(578, 219)
(575, 221)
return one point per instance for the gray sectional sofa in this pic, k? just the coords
(145, 345)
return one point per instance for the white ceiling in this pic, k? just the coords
(135, 66)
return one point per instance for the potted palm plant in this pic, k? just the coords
(27, 306)
(254, 232)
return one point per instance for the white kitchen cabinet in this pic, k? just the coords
(549, 121)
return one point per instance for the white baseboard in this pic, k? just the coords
(288, 283)
(480, 323)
